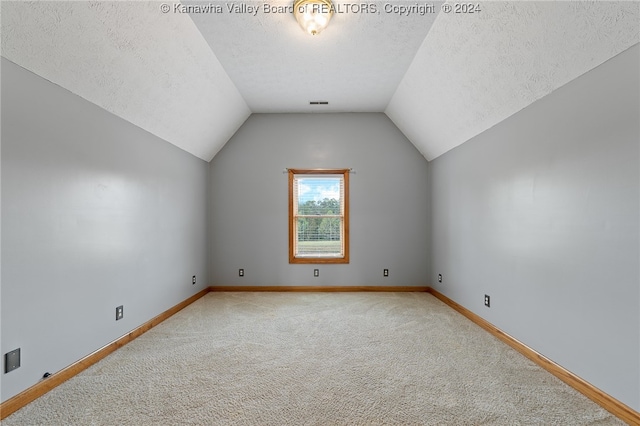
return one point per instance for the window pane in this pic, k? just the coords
(319, 195)
(319, 236)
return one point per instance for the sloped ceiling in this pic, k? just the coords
(193, 78)
(356, 64)
(152, 69)
(470, 73)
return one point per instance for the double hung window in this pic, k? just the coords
(319, 216)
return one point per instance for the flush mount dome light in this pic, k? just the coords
(313, 15)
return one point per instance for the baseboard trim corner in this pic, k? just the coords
(606, 401)
(18, 401)
(321, 289)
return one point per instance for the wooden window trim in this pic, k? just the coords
(292, 236)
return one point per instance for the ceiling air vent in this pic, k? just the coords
(318, 103)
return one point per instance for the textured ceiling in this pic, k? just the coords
(193, 78)
(473, 71)
(152, 69)
(356, 64)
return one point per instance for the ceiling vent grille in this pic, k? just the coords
(318, 103)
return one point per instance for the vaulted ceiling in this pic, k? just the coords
(192, 75)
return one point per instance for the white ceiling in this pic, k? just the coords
(355, 64)
(192, 79)
(152, 69)
(471, 73)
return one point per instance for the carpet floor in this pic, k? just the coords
(314, 359)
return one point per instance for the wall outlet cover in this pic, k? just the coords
(12, 360)
(119, 312)
(487, 300)
(193, 280)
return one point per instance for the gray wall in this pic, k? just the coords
(541, 212)
(388, 201)
(95, 213)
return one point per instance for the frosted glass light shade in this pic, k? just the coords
(313, 15)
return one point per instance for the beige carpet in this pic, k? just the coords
(314, 359)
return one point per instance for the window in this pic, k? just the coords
(319, 216)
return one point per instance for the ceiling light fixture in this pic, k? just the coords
(313, 15)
